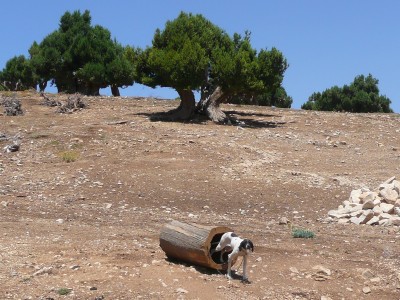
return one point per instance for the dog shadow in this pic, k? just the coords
(200, 269)
(207, 271)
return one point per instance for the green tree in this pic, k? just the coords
(79, 57)
(180, 57)
(278, 98)
(18, 74)
(192, 54)
(362, 95)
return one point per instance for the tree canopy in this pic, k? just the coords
(277, 97)
(79, 57)
(192, 54)
(362, 95)
(18, 74)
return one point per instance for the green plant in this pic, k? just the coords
(69, 156)
(192, 54)
(54, 143)
(302, 233)
(361, 96)
(81, 57)
(64, 291)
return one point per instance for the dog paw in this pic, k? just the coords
(245, 280)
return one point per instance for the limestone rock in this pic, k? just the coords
(387, 208)
(396, 186)
(366, 273)
(355, 196)
(44, 270)
(283, 221)
(368, 196)
(378, 207)
(389, 194)
(390, 180)
(366, 290)
(368, 205)
(373, 221)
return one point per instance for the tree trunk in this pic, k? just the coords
(210, 106)
(193, 243)
(115, 91)
(42, 85)
(89, 89)
(186, 107)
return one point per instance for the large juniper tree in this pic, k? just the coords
(192, 54)
(240, 71)
(79, 57)
(18, 74)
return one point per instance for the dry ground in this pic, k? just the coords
(90, 227)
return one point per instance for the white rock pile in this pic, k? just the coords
(377, 207)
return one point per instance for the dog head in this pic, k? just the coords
(246, 245)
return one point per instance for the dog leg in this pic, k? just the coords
(229, 275)
(221, 257)
(244, 277)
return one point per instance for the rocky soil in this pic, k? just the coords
(84, 197)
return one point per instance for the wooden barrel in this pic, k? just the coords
(193, 243)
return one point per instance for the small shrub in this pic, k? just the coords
(64, 291)
(302, 233)
(69, 156)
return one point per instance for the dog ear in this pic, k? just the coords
(252, 246)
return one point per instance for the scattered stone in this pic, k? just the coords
(367, 273)
(375, 280)
(373, 221)
(368, 205)
(322, 273)
(181, 291)
(322, 270)
(366, 290)
(60, 221)
(387, 208)
(283, 221)
(389, 194)
(43, 271)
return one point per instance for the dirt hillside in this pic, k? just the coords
(84, 199)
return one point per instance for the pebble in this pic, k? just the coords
(42, 271)
(366, 290)
(181, 291)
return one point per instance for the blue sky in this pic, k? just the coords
(326, 42)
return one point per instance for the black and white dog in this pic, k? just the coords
(239, 247)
